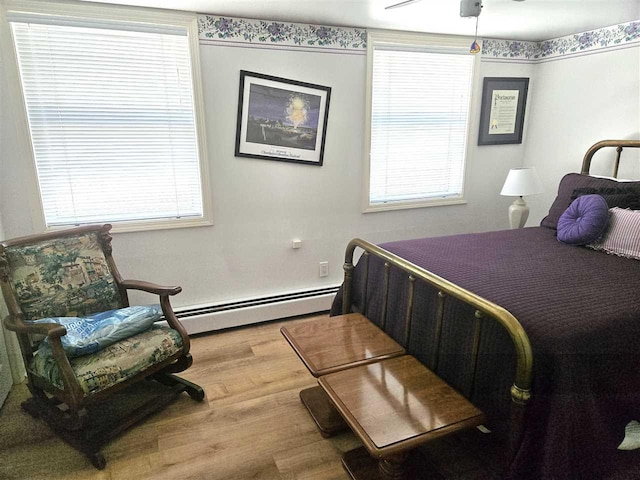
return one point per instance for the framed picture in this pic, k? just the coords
(280, 119)
(502, 113)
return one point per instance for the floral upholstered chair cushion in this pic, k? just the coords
(67, 276)
(113, 364)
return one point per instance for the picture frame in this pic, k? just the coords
(281, 119)
(504, 100)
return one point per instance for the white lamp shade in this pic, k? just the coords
(522, 181)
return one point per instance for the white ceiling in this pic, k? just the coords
(533, 20)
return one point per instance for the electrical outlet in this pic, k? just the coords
(324, 269)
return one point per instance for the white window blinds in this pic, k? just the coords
(419, 117)
(111, 114)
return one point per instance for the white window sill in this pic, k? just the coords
(381, 207)
(142, 226)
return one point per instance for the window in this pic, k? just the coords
(114, 115)
(419, 95)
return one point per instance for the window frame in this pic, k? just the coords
(431, 43)
(134, 15)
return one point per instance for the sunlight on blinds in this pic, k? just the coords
(419, 119)
(112, 121)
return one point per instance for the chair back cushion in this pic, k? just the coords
(67, 276)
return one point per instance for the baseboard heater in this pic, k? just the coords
(245, 312)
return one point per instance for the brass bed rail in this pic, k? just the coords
(619, 144)
(521, 388)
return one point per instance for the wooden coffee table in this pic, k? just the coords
(333, 344)
(394, 406)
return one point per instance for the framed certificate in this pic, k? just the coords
(502, 113)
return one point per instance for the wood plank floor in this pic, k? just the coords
(250, 426)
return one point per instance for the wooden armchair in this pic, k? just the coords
(88, 399)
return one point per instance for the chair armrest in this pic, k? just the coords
(52, 330)
(165, 304)
(150, 287)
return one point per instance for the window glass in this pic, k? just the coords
(419, 115)
(112, 120)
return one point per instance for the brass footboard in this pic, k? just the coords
(521, 388)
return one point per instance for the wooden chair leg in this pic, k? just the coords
(196, 392)
(97, 460)
(180, 365)
(69, 426)
(29, 407)
(101, 423)
(47, 409)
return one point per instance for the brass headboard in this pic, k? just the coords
(619, 144)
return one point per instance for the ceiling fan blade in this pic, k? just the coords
(401, 4)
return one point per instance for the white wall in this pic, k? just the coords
(11, 366)
(578, 101)
(259, 205)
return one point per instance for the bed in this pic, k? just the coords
(543, 336)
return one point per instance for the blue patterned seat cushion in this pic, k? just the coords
(115, 363)
(94, 332)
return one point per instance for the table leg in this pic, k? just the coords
(393, 467)
(406, 466)
(324, 414)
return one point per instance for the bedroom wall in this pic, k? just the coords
(588, 89)
(260, 206)
(9, 350)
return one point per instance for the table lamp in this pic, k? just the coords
(520, 182)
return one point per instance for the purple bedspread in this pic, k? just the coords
(581, 310)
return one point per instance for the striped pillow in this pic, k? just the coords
(623, 235)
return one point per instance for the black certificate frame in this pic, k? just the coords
(490, 84)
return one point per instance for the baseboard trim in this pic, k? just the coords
(208, 318)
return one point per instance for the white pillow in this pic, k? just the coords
(623, 234)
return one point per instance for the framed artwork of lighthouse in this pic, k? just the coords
(281, 119)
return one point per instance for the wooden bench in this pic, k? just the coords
(331, 345)
(394, 406)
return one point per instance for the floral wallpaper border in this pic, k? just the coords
(285, 34)
(512, 50)
(281, 33)
(616, 36)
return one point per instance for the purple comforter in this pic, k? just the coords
(581, 310)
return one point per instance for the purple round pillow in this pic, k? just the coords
(584, 221)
